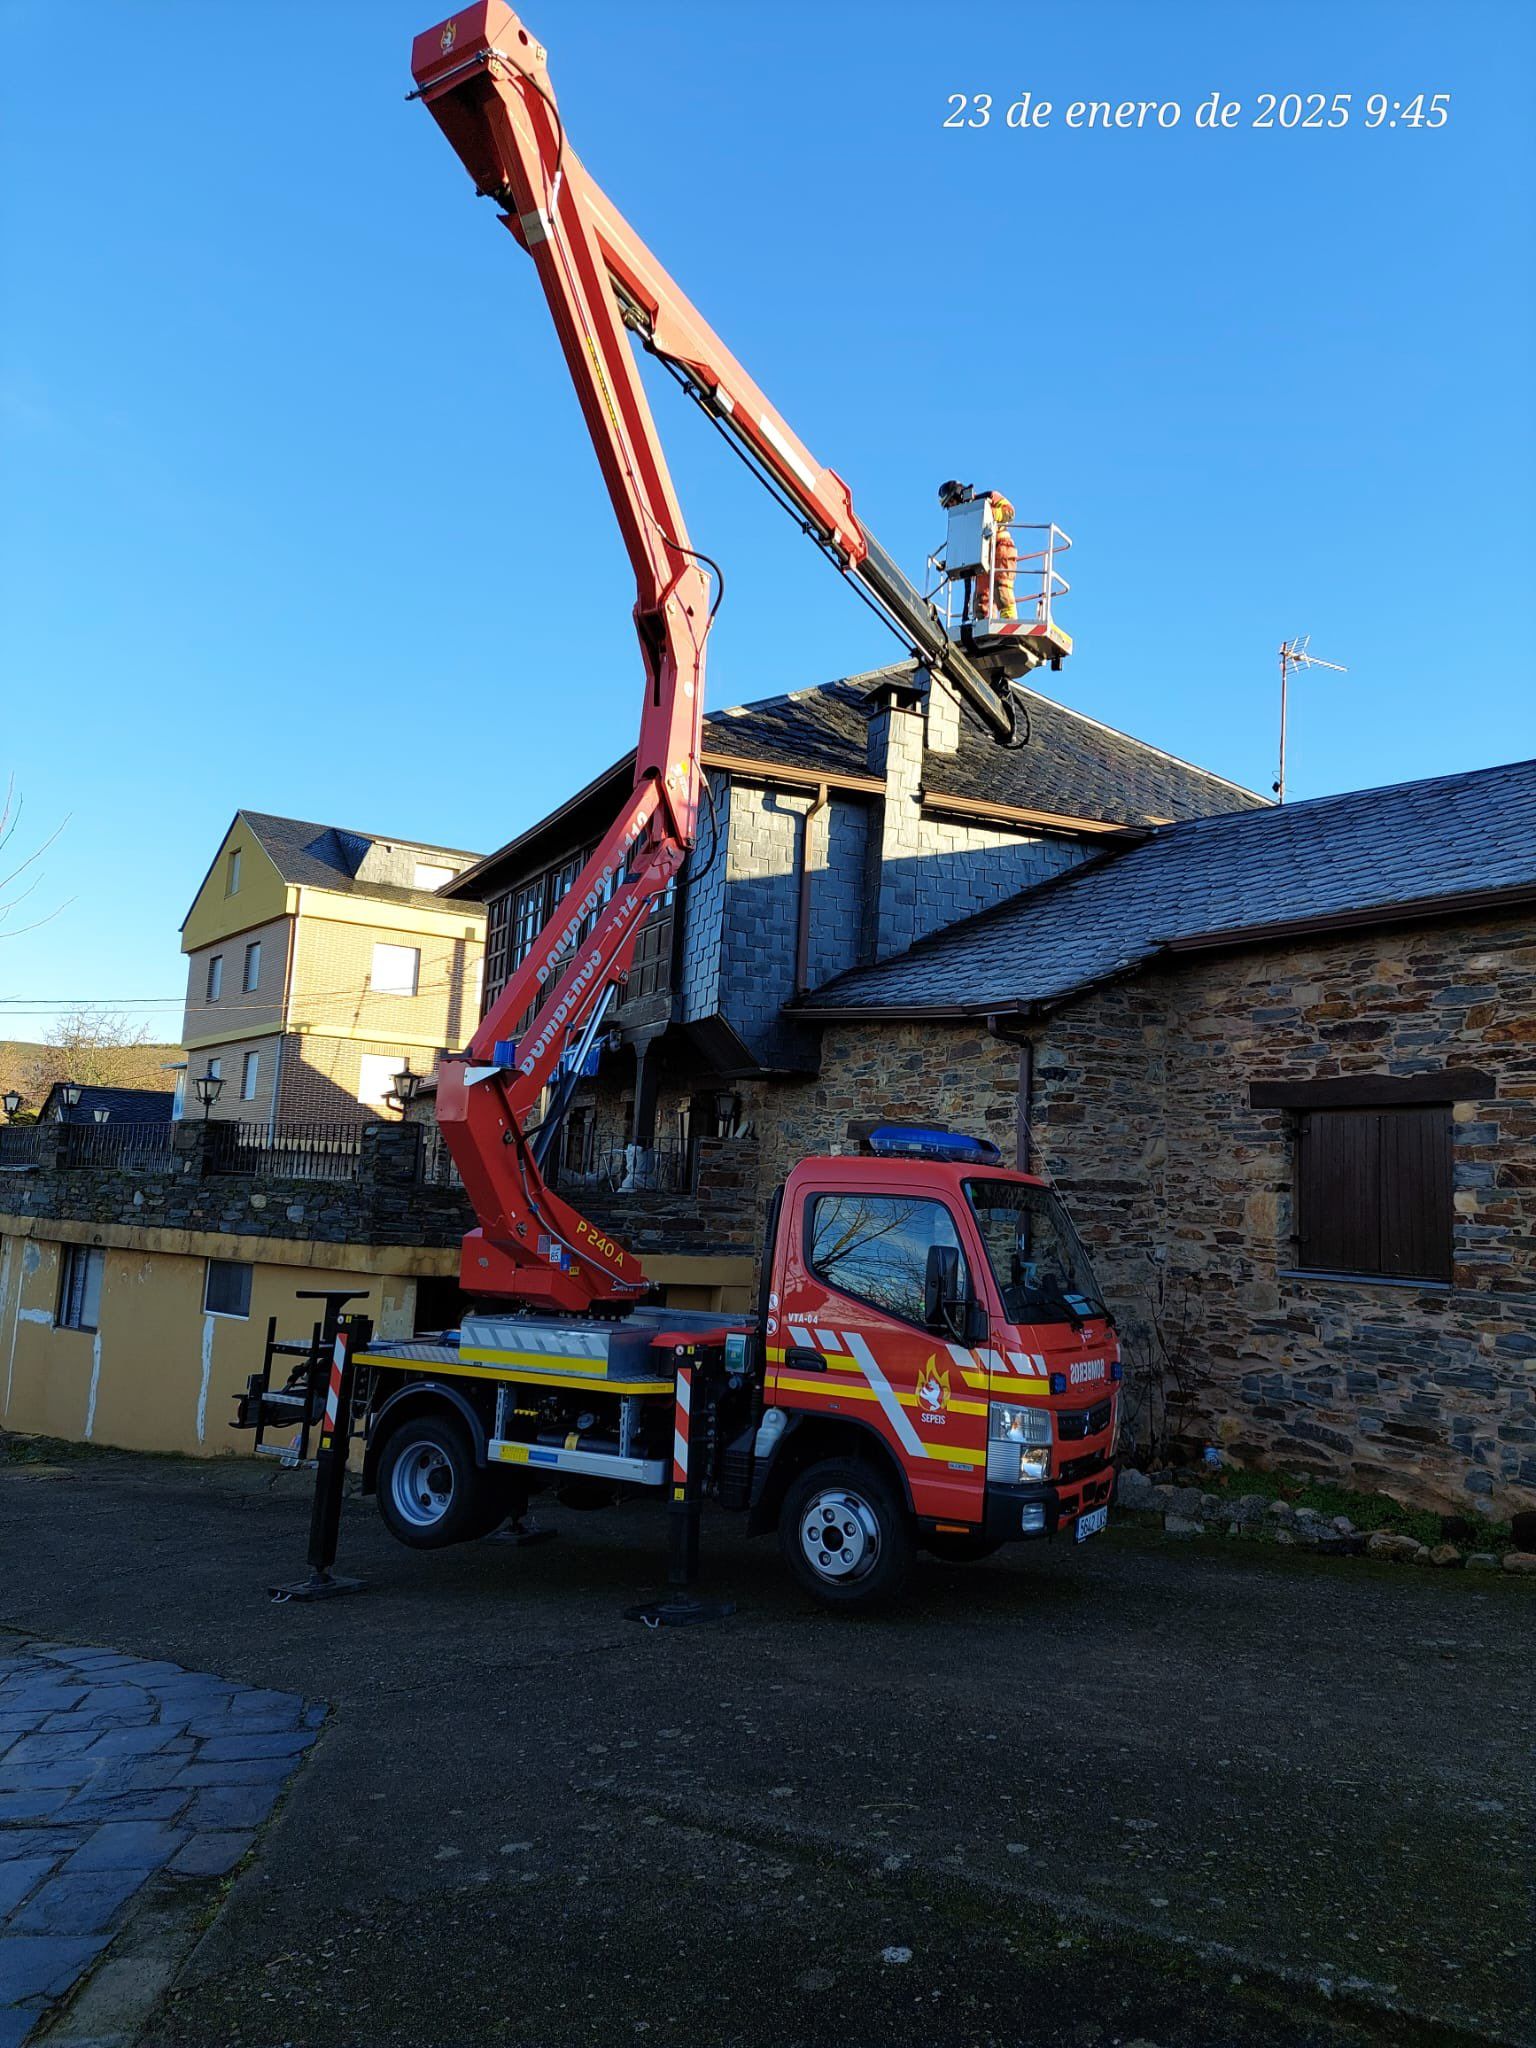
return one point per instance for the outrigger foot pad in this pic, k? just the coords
(318, 1586)
(679, 1610)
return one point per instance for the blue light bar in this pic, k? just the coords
(917, 1141)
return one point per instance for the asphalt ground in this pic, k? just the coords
(1136, 1791)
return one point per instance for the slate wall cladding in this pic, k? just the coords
(751, 899)
(703, 908)
(933, 870)
(1140, 1108)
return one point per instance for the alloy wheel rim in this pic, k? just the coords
(840, 1535)
(422, 1486)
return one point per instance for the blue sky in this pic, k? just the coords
(300, 513)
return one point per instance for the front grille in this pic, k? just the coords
(1077, 1423)
(1082, 1468)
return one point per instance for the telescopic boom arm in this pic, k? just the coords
(484, 79)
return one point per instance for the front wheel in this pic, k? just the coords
(845, 1534)
(430, 1493)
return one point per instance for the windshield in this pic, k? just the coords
(1037, 1258)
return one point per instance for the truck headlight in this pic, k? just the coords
(1011, 1422)
(1018, 1448)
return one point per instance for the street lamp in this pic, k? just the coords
(12, 1101)
(727, 1110)
(407, 1088)
(209, 1088)
(69, 1094)
(101, 1115)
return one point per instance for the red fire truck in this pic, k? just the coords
(930, 1363)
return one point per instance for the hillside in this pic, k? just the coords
(28, 1066)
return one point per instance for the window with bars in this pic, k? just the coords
(1373, 1192)
(80, 1288)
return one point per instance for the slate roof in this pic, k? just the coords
(1368, 852)
(328, 856)
(125, 1105)
(1073, 765)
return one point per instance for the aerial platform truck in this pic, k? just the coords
(930, 1363)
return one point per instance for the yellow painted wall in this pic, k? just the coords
(332, 993)
(262, 895)
(160, 1374)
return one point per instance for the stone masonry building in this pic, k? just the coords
(1283, 1065)
(843, 824)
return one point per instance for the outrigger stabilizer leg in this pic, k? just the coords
(348, 1336)
(683, 1510)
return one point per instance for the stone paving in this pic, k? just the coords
(113, 1770)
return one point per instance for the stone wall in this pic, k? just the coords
(384, 1203)
(1142, 1107)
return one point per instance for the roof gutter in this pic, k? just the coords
(1059, 824)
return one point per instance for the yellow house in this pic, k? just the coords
(319, 963)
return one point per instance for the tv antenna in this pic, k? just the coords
(1294, 654)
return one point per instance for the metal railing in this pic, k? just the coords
(1036, 580)
(664, 1167)
(437, 1166)
(128, 1147)
(20, 1144)
(286, 1151)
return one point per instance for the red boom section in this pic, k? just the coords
(484, 80)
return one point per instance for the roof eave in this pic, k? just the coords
(1409, 910)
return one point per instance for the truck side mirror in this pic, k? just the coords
(946, 1304)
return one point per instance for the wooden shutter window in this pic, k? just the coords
(1373, 1192)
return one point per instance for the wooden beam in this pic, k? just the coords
(1373, 1091)
(790, 776)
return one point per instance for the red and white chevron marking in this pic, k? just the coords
(680, 1425)
(333, 1392)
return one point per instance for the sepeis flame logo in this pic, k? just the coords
(450, 31)
(932, 1391)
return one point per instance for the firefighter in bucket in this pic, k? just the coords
(993, 594)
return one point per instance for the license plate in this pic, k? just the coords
(1091, 1523)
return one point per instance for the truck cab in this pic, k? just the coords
(940, 1368)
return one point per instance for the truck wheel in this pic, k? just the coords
(954, 1549)
(430, 1493)
(845, 1535)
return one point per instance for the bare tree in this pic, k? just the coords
(97, 1048)
(17, 883)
